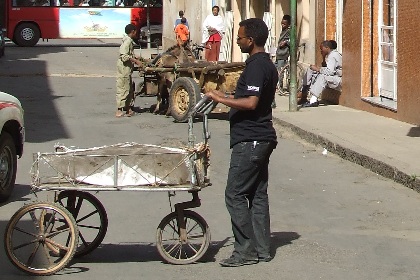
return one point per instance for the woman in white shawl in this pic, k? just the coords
(213, 29)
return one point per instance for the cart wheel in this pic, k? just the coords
(183, 97)
(41, 238)
(90, 216)
(169, 243)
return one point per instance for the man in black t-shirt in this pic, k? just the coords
(252, 140)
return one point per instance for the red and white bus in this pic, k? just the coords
(26, 21)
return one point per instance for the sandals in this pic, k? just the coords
(121, 113)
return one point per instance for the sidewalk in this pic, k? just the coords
(385, 146)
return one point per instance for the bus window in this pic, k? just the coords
(23, 3)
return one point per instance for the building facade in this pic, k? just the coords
(235, 11)
(379, 47)
(376, 38)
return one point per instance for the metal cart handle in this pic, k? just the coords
(204, 106)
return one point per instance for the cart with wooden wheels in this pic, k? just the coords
(185, 83)
(41, 238)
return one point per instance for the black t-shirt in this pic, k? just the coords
(259, 78)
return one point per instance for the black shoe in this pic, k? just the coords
(265, 259)
(307, 104)
(236, 261)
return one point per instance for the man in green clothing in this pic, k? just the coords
(125, 65)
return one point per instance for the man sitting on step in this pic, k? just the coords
(317, 78)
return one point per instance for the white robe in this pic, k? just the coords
(215, 22)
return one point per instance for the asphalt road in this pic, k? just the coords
(330, 219)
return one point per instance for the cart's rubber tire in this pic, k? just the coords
(183, 96)
(283, 85)
(8, 165)
(90, 235)
(51, 233)
(26, 34)
(172, 249)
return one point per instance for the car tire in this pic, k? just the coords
(8, 165)
(27, 35)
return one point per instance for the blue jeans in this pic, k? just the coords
(247, 199)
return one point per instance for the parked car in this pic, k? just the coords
(155, 35)
(12, 138)
(2, 42)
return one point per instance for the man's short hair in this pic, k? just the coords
(333, 44)
(328, 44)
(257, 29)
(287, 18)
(183, 20)
(217, 7)
(181, 13)
(129, 28)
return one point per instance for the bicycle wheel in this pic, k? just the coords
(169, 243)
(90, 216)
(283, 85)
(299, 75)
(41, 238)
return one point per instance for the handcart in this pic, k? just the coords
(41, 238)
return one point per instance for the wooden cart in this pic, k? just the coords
(183, 83)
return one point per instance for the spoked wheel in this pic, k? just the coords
(90, 216)
(176, 251)
(41, 238)
(283, 86)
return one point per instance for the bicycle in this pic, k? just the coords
(283, 84)
(197, 49)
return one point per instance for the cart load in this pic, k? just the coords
(177, 78)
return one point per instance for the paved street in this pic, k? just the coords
(330, 219)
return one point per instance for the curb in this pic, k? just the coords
(374, 165)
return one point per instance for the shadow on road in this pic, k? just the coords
(147, 252)
(23, 75)
(18, 193)
(280, 239)
(414, 132)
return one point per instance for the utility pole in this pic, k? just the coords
(148, 24)
(293, 62)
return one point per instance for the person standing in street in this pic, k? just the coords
(252, 140)
(213, 29)
(282, 52)
(182, 33)
(178, 20)
(125, 65)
